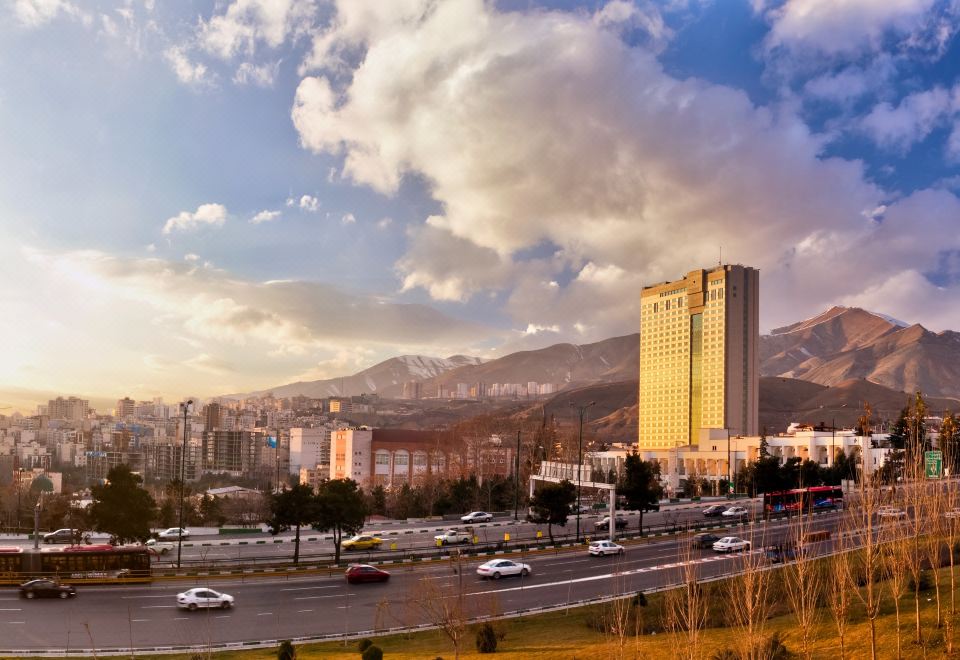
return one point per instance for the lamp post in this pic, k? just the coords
(580, 412)
(185, 408)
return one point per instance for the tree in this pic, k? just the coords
(551, 504)
(293, 508)
(211, 511)
(121, 507)
(378, 500)
(342, 509)
(640, 484)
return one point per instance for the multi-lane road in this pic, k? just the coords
(144, 616)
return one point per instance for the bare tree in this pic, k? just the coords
(839, 592)
(894, 550)
(916, 500)
(686, 609)
(749, 599)
(804, 583)
(862, 566)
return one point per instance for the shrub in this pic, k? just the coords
(774, 648)
(725, 654)
(372, 652)
(286, 651)
(640, 600)
(363, 645)
(486, 639)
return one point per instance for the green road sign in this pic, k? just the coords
(933, 464)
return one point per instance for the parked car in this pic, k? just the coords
(46, 588)
(583, 508)
(714, 510)
(604, 548)
(736, 512)
(454, 536)
(498, 568)
(704, 540)
(62, 536)
(159, 547)
(192, 599)
(887, 511)
(357, 573)
(477, 517)
(174, 533)
(731, 544)
(603, 524)
(362, 542)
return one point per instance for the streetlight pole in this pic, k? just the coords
(580, 411)
(185, 407)
(516, 478)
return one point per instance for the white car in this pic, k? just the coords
(604, 548)
(501, 568)
(891, 512)
(198, 597)
(731, 544)
(477, 517)
(159, 547)
(736, 512)
(174, 533)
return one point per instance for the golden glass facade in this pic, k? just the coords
(699, 367)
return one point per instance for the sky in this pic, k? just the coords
(199, 198)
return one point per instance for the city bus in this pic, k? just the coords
(796, 500)
(94, 564)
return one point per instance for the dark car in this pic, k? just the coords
(62, 536)
(604, 523)
(365, 573)
(704, 540)
(714, 510)
(778, 554)
(44, 588)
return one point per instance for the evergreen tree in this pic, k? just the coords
(342, 509)
(551, 504)
(121, 507)
(291, 509)
(640, 484)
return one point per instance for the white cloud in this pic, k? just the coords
(186, 71)
(191, 257)
(261, 75)
(914, 118)
(348, 219)
(211, 215)
(384, 223)
(246, 23)
(487, 108)
(852, 82)
(308, 203)
(846, 27)
(264, 216)
(34, 13)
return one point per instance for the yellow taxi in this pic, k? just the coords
(362, 542)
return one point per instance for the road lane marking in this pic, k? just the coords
(302, 611)
(11, 609)
(265, 614)
(158, 607)
(172, 595)
(223, 616)
(318, 597)
(329, 586)
(139, 620)
(16, 622)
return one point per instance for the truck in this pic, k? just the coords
(454, 536)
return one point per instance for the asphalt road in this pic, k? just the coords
(267, 608)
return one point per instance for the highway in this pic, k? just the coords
(144, 616)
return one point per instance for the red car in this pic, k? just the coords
(365, 573)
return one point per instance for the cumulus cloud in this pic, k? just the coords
(913, 119)
(261, 75)
(187, 72)
(210, 215)
(348, 219)
(290, 317)
(34, 13)
(264, 216)
(850, 27)
(246, 23)
(307, 203)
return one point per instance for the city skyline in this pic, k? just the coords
(223, 197)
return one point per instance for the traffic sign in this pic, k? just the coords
(933, 464)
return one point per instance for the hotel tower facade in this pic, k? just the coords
(699, 366)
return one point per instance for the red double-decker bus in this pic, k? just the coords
(797, 500)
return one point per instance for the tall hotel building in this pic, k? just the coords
(699, 367)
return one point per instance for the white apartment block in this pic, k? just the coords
(310, 448)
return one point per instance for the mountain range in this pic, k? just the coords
(842, 344)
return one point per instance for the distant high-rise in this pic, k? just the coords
(71, 409)
(125, 408)
(699, 366)
(212, 417)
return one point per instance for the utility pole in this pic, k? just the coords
(580, 411)
(516, 478)
(185, 407)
